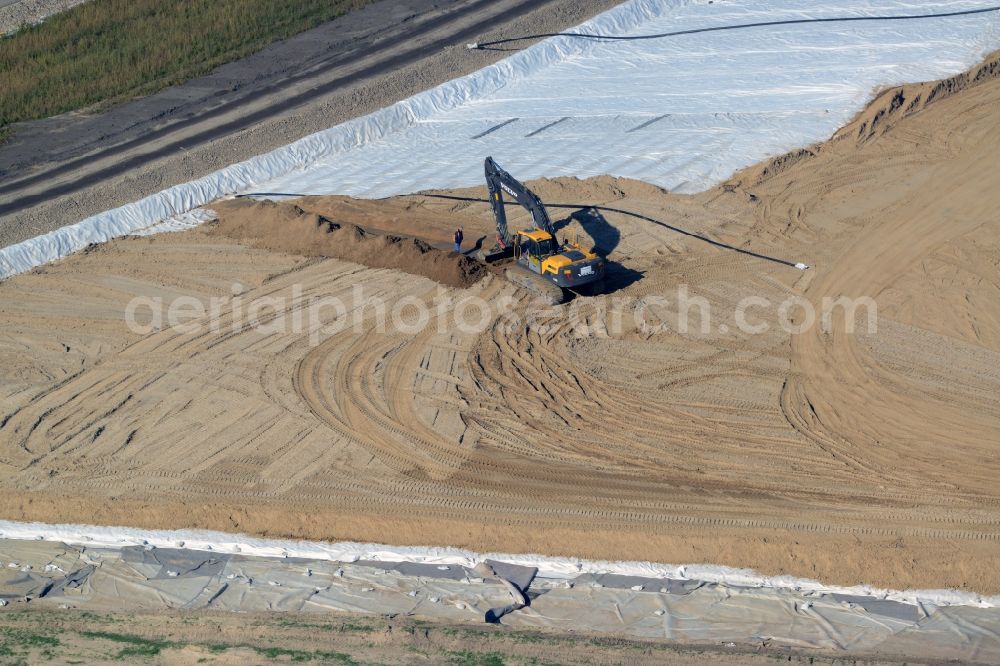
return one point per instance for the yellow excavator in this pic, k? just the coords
(541, 264)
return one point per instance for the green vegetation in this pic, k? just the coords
(273, 653)
(26, 638)
(468, 658)
(36, 635)
(19, 643)
(105, 51)
(136, 646)
(327, 626)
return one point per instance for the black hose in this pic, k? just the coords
(684, 232)
(692, 31)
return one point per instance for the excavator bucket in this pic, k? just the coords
(494, 254)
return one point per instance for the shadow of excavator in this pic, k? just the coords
(605, 238)
(476, 247)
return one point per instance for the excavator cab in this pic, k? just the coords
(567, 266)
(535, 246)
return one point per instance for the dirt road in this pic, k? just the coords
(59, 170)
(226, 638)
(865, 457)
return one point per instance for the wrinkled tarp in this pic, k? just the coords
(148, 578)
(682, 112)
(443, 558)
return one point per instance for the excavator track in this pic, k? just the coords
(548, 292)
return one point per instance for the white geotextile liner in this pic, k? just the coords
(551, 567)
(681, 112)
(180, 222)
(719, 101)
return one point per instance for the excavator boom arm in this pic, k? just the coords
(499, 181)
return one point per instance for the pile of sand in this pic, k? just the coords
(289, 228)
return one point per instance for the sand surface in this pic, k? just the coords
(866, 457)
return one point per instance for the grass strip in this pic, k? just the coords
(106, 51)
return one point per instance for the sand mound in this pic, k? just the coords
(284, 227)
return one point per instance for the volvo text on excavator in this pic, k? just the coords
(542, 264)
